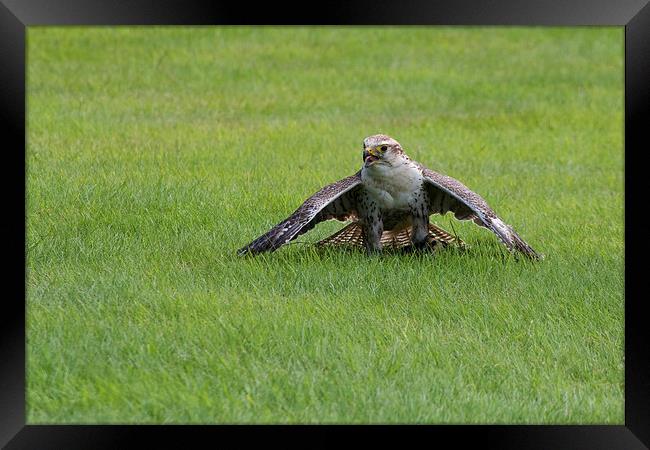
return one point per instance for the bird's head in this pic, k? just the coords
(380, 149)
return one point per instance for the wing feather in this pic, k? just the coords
(334, 201)
(448, 194)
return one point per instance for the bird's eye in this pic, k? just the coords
(383, 148)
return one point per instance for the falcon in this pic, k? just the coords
(389, 200)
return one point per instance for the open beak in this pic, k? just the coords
(370, 156)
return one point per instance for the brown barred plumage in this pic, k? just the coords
(352, 236)
(334, 201)
(452, 195)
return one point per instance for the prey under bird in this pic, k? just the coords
(391, 197)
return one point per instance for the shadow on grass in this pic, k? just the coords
(484, 249)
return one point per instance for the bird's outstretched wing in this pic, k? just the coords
(448, 194)
(334, 201)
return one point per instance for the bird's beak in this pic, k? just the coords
(370, 155)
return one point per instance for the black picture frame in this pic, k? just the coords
(16, 15)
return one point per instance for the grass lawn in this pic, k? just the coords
(154, 153)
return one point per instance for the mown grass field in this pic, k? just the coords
(154, 153)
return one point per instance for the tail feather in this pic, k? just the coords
(352, 235)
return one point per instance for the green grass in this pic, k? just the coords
(155, 153)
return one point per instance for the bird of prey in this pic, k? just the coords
(391, 197)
